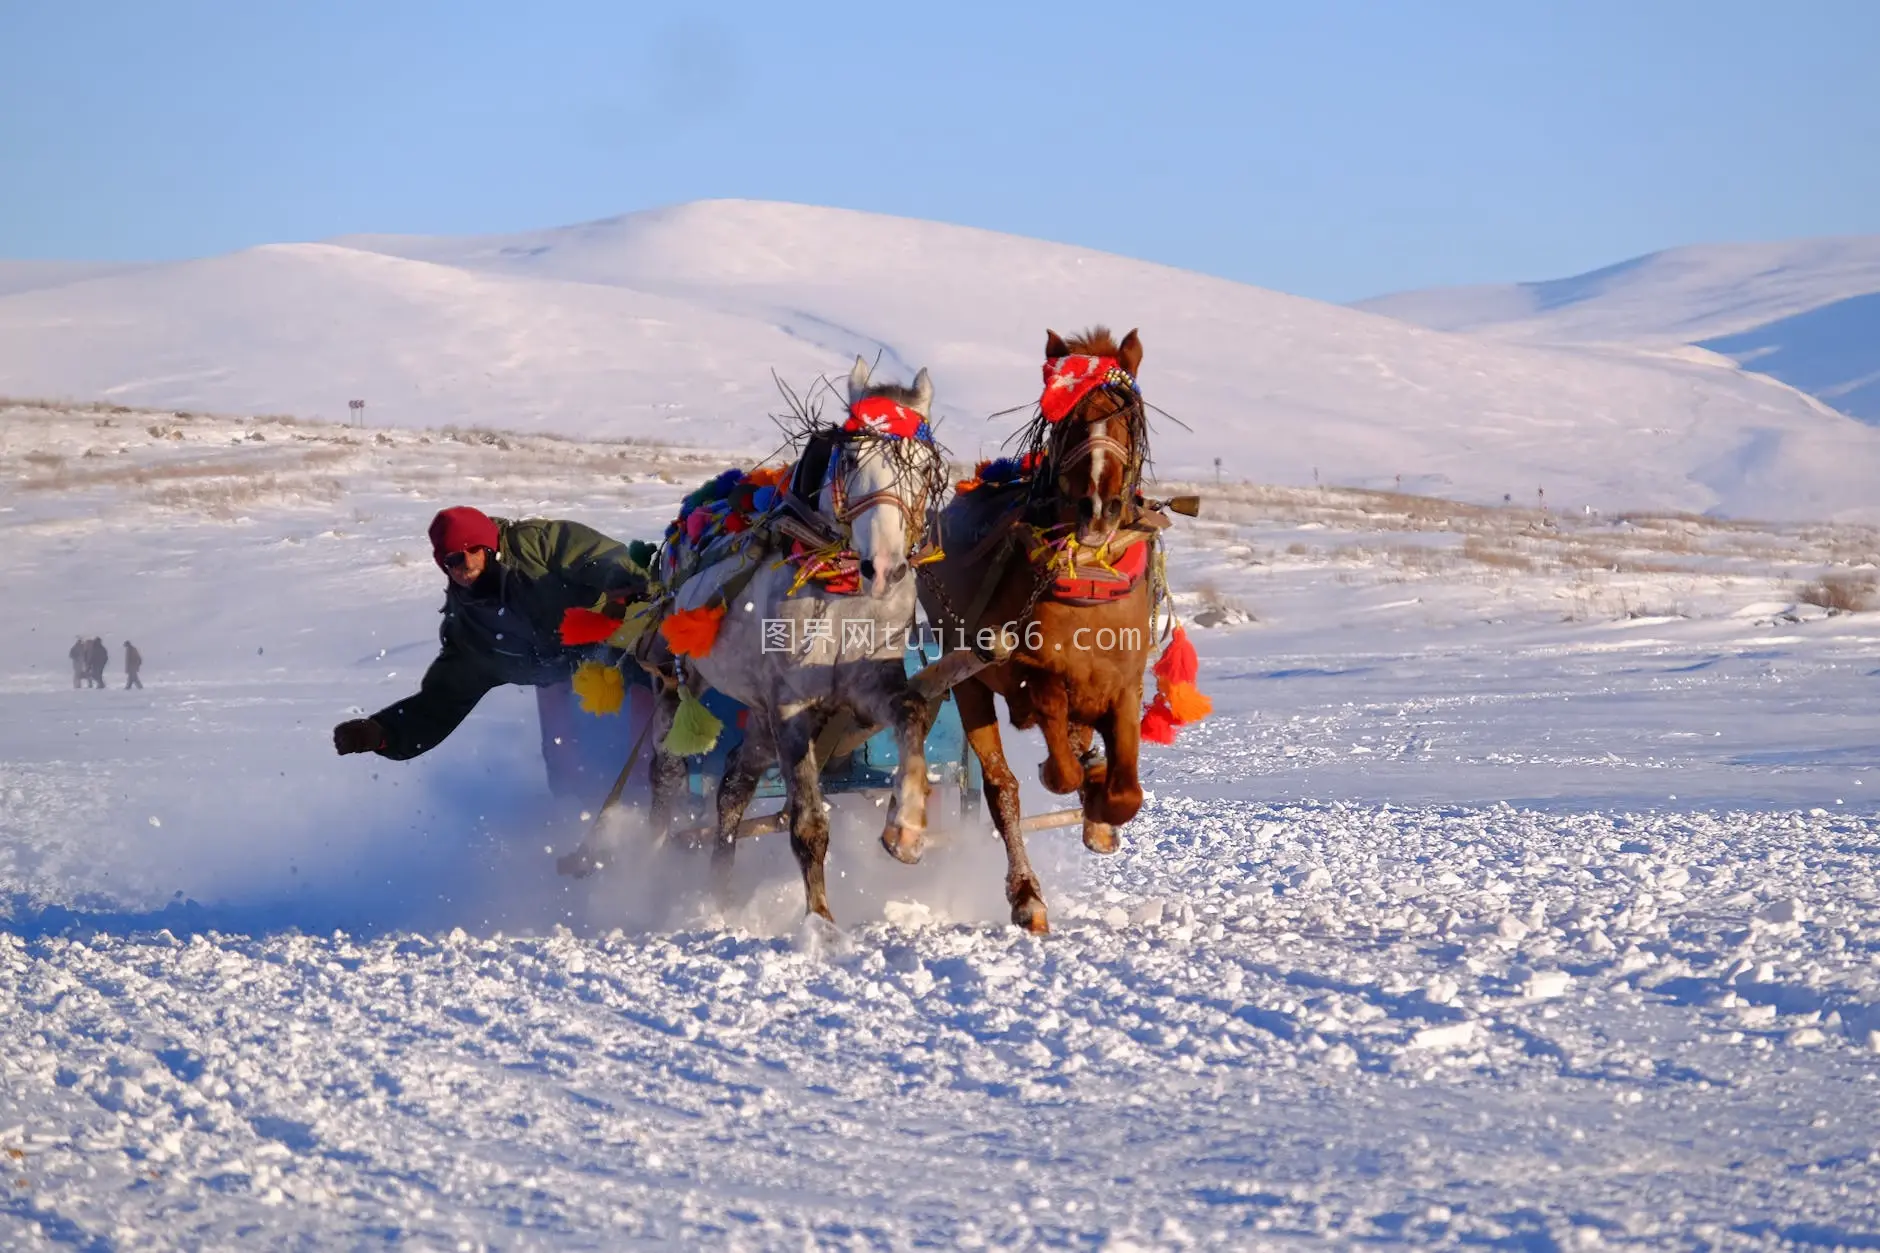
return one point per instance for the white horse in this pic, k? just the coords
(801, 656)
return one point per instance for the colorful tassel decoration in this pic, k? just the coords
(694, 728)
(691, 632)
(584, 626)
(1178, 662)
(768, 476)
(1187, 703)
(1178, 701)
(1158, 722)
(601, 687)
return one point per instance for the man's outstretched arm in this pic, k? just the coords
(404, 729)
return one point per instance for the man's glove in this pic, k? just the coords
(361, 735)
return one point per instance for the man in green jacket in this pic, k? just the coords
(510, 584)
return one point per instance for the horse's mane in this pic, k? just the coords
(802, 419)
(1095, 342)
(899, 394)
(803, 411)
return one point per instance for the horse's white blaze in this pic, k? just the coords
(1099, 443)
(879, 532)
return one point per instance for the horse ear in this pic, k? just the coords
(1054, 346)
(858, 380)
(1129, 353)
(923, 394)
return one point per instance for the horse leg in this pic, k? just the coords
(1061, 771)
(893, 703)
(1099, 835)
(743, 768)
(980, 719)
(809, 825)
(1121, 728)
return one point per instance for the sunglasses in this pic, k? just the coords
(457, 561)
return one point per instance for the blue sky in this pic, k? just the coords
(1330, 149)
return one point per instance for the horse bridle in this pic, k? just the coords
(1065, 460)
(915, 520)
(1092, 443)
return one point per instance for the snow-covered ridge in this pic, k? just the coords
(666, 325)
(1806, 312)
(1679, 295)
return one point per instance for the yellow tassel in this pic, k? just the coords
(694, 728)
(601, 687)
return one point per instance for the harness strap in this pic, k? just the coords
(1086, 448)
(989, 584)
(881, 496)
(995, 535)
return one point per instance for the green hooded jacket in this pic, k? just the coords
(507, 629)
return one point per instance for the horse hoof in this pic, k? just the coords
(1101, 837)
(581, 863)
(1029, 913)
(904, 843)
(1071, 782)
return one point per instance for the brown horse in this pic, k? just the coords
(1059, 564)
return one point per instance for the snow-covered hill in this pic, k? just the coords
(1806, 312)
(22, 276)
(1831, 352)
(1677, 296)
(666, 325)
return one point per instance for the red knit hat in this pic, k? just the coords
(459, 530)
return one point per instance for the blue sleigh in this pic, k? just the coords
(584, 753)
(867, 770)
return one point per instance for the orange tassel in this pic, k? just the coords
(1178, 663)
(1178, 701)
(1158, 722)
(691, 632)
(767, 476)
(1187, 703)
(584, 626)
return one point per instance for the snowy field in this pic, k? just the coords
(1522, 893)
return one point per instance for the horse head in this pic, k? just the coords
(888, 476)
(1096, 432)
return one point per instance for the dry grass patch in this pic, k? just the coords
(225, 498)
(272, 464)
(1483, 552)
(1841, 591)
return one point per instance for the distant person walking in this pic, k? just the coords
(100, 659)
(133, 662)
(81, 661)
